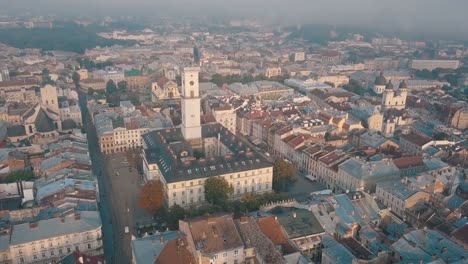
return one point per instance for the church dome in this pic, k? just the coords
(389, 86)
(403, 85)
(380, 80)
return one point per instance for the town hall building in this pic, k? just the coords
(183, 158)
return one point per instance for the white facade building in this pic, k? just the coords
(47, 241)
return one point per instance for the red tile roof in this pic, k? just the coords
(176, 251)
(408, 162)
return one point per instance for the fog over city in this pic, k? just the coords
(422, 15)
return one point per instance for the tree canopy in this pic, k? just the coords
(284, 173)
(112, 94)
(217, 190)
(46, 77)
(76, 79)
(63, 36)
(122, 86)
(152, 196)
(21, 175)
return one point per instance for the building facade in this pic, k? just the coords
(48, 241)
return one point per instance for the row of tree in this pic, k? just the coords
(217, 192)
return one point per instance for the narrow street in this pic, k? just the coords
(96, 160)
(119, 187)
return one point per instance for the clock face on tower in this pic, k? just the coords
(192, 83)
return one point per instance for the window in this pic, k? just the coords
(89, 246)
(77, 248)
(236, 252)
(51, 252)
(174, 194)
(20, 251)
(215, 257)
(60, 251)
(43, 255)
(68, 250)
(21, 260)
(225, 255)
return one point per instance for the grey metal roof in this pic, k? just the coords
(15, 131)
(165, 146)
(145, 249)
(4, 242)
(380, 80)
(297, 222)
(54, 227)
(364, 170)
(43, 122)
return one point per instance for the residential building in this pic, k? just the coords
(50, 240)
(413, 143)
(226, 116)
(358, 175)
(302, 228)
(162, 248)
(214, 239)
(272, 72)
(136, 80)
(434, 64)
(424, 245)
(399, 197)
(258, 247)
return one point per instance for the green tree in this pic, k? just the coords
(175, 214)
(122, 86)
(112, 94)
(76, 79)
(111, 87)
(20, 175)
(284, 173)
(46, 77)
(134, 99)
(217, 190)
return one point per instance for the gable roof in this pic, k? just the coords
(43, 122)
(215, 234)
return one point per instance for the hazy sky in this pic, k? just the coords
(433, 15)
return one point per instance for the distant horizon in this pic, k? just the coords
(423, 16)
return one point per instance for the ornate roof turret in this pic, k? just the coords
(403, 85)
(380, 80)
(389, 86)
